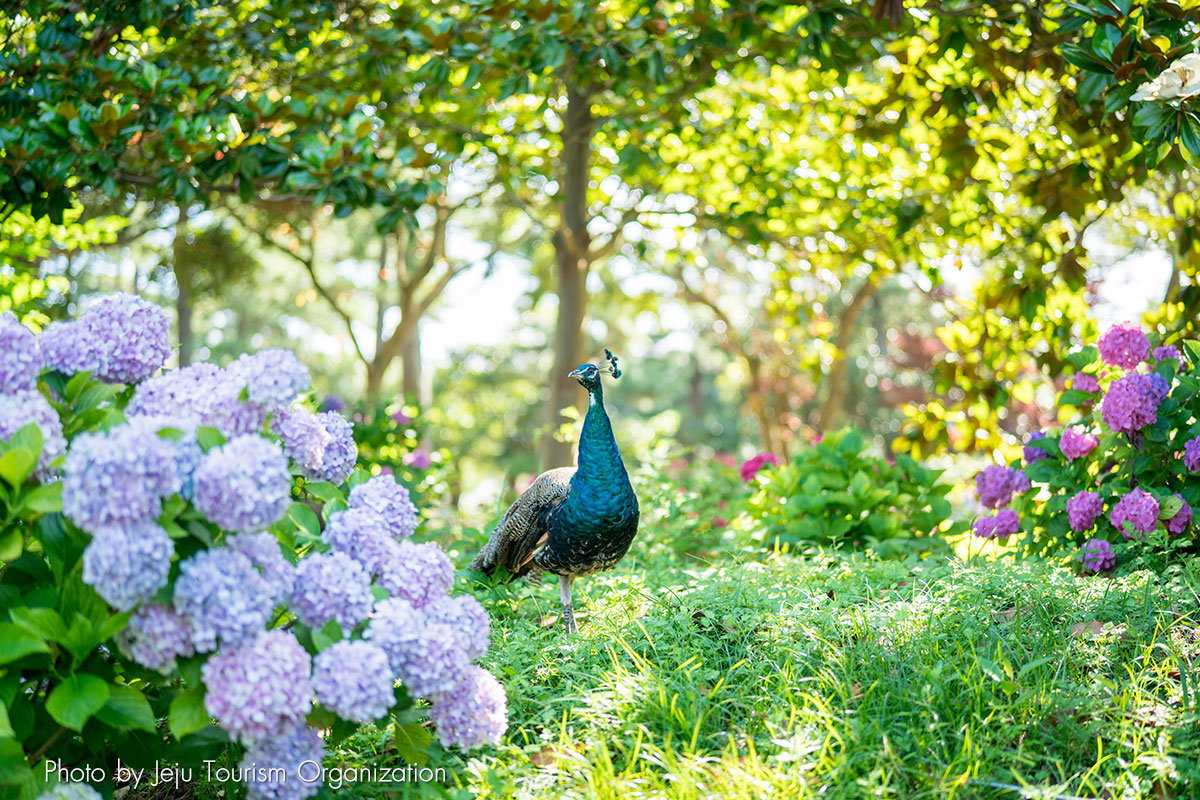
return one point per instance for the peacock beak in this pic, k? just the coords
(575, 373)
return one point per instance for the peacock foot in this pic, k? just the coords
(568, 616)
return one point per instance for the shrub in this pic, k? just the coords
(834, 493)
(1122, 472)
(163, 564)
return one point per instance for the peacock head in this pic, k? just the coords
(588, 375)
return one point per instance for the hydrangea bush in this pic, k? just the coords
(1122, 475)
(191, 562)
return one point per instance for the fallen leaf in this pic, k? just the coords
(1095, 628)
(544, 758)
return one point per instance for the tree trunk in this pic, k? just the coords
(831, 411)
(411, 364)
(184, 305)
(571, 245)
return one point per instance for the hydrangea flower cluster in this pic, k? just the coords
(995, 485)
(70, 791)
(304, 437)
(133, 337)
(243, 485)
(354, 680)
(1191, 455)
(751, 466)
(1076, 442)
(475, 714)
(1181, 520)
(389, 501)
(259, 687)
(26, 407)
(262, 549)
(118, 477)
(1139, 509)
(281, 755)
(20, 355)
(224, 596)
(1082, 510)
(1132, 401)
(337, 462)
(273, 377)
(1098, 556)
(1086, 383)
(1004, 524)
(362, 534)
(420, 573)
(155, 636)
(67, 347)
(466, 617)
(331, 586)
(1030, 453)
(128, 563)
(1167, 352)
(1124, 346)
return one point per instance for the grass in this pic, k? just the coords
(841, 676)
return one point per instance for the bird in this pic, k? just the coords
(571, 521)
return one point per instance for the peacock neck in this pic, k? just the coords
(599, 458)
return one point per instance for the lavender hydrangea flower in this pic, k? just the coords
(1082, 510)
(1139, 509)
(20, 355)
(1191, 455)
(259, 688)
(155, 636)
(1132, 402)
(420, 573)
(281, 756)
(395, 626)
(331, 586)
(1098, 556)
(1124, 346)
(467, 618)
(222, 595)
(263, 551)
(181, 393)
(340, 452)
(474, 714)
(354, 680)
(118, 477)
(68, 347)
(389, 501)
(29, 406)
(427, 657)
(1076, 442)
(129, 563)
(1182, 519)
(332, 403)
(244, 484)
(994, 485)
(273, 377)
(1086, 383)
(304, 437)
(133, 335)
(1033, 454)
(363, 535)
(70, 791)
(1167, 352)
(186, 447)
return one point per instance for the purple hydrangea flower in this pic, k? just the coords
(1124, 346)
(29, 406)
(1076, 442)
(263, 551)
(420, 573)
(467, 618)
(68, 347)
(1098, 556)
(118, 477)
(1033, 454)
(331, 586)
(332, 403)
(273, 377)
(132, 334)
(260, 688)
(1003, 525)
(354, 680)
(180, 394)
(222, 595)
(984, 527)
(70, 791)
(418, 459)
(281, 756)
(155, 636)
(474, 713)
(1139, 509)
(994, 485)
(363, 535)
(400, 418)
(1086, 383)
(304, 437)
(428, 658)
(1167, 352)
(244, 484)
(187, 449)
(1082, 510)
(128, 563)
(389, 501)
(1020, 482)
(1191, 455)
(20, 355)
(340, 452)
(1132, 402)
(1182, 519)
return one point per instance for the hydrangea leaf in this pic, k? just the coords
(44, 499)
(17, 465)
(17, 642)
(187, 713)
(127, 709)
(74, 701)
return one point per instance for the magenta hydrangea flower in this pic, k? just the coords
(1076, 442)
(20, 355)
(243, 485)
(1086, 383)
(1098, 556)
(389, 501)
(354, 680)
(260, 688)
(418, 459)
(420, 573)
(1033, 454)
(304, 437)
(331, 586)
(1082, 510)
(30, 407)
(340, 455)
(1124, 346)
(1182, 520)
(273, 377)
(222, 595)
(474, 713)
(995, 485)
(128, 563)
(752, 466)
(1191, 455)
(155, 636)
(1166, 352)
(118, 477)
(1139, 509)
(133, 337)
(1132, 402)
(280, 757)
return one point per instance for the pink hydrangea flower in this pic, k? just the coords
(1086, 383)
(753, 465)
(1139, 509)
(1124, 346)
(1132, 402)
(1098, 556)
(418, 459)
(1076, 442)
(1082, 510)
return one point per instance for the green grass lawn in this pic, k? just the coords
(842, 676)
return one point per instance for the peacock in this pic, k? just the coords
(571, 521)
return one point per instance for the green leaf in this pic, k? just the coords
(1169, 507)
(11, 544)
(44, 622)
(44, 499)
(1083, 357)
(1073, 397)
(332, 632)
(306, 519)
(208, 438)
(187, 713)
(323, 491)
(17, 465)
(14, 769)
(74, 701)
(6, 730)
(412, 743)
(127, 709)
(17, 642)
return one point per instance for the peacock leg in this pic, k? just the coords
(568, 613)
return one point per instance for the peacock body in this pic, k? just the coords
(571, 521)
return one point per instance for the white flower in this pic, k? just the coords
(1180, 80)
